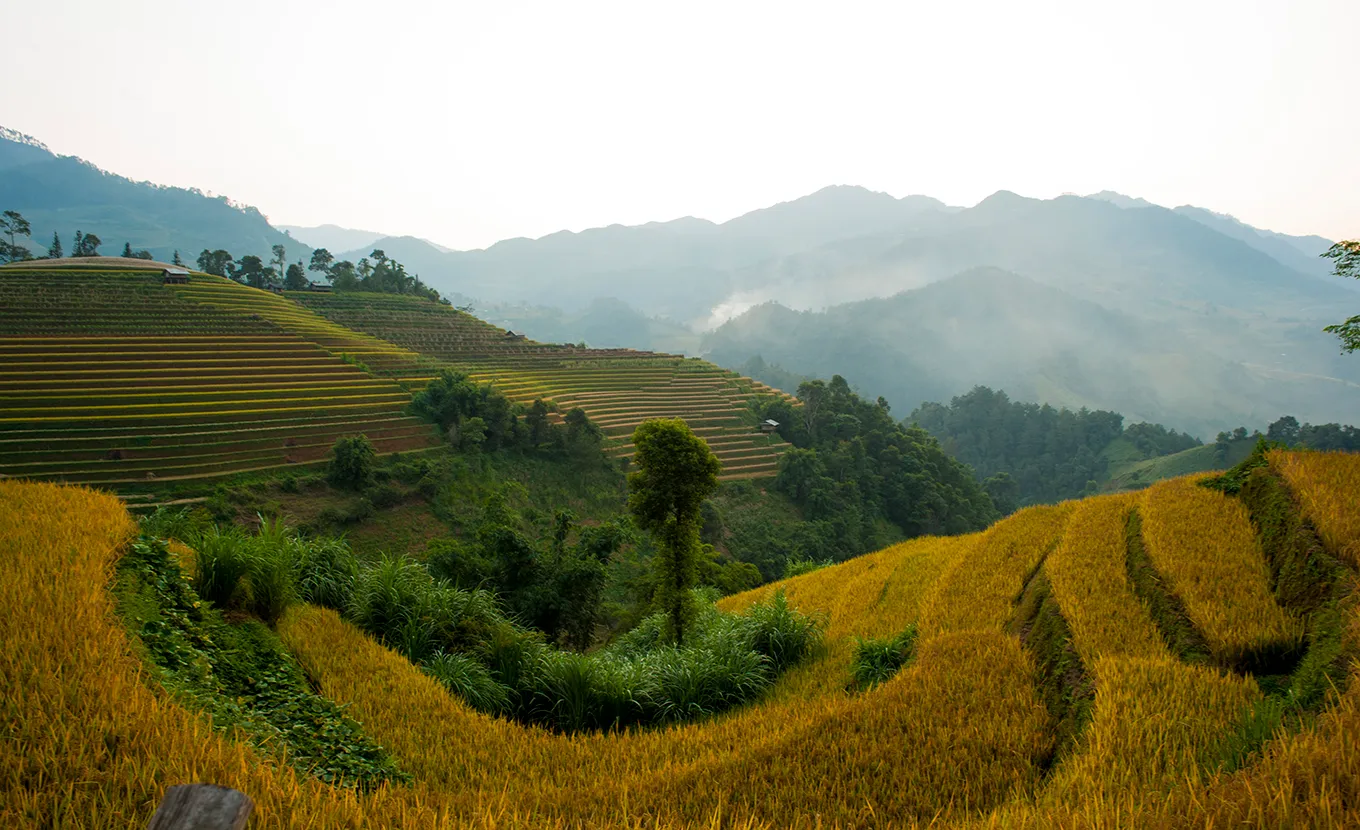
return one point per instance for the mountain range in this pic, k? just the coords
(1182, 315)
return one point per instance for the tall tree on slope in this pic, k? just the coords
(13, 224)
(676, 472)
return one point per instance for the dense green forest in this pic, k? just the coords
(861, 480)
(1029, 453)
(1032, 453)
(1288, 431)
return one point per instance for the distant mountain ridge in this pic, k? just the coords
(679, 268)
(65, 194)
(995, 328)
(1198, 320)
(331, 237)
(1302, 253)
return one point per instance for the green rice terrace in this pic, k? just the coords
(110, 377)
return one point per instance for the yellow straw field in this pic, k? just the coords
(960, 737)
(1328, 488)
(1203, 542)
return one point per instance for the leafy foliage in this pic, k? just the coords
(1047, 454)
(1346, 255)
(1288, 432)
(676, 472)
(376, 272)
(555, 586)
(853, 466)
(461, 638)
(352, 460)
(240, 674)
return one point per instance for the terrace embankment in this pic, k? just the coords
(617, 388)
(113, 378)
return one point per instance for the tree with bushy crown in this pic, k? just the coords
(14, 225)
(87, 244)
(322, 260)
(352, 460)
(217, 263)
(296, 278)
(676, 471)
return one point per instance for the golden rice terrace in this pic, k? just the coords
(1179, 657)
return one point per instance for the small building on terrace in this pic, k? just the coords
(175, 276)
(769, 426)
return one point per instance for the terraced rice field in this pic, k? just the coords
(617, 388)
(112, 378)
(109, 377)
(962, 737)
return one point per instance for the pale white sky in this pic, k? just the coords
(467, 123)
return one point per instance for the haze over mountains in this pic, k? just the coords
(1183, 316)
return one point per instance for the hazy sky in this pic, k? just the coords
(468, 123)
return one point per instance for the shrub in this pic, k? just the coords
(352, 462)
(384, 495)
(272, 584)
(173, 523)
(386, 595)
(461, 565)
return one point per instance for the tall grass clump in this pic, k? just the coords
(462, 639)
(221, 566)
(878, 659)
(266, 573)
(326, 570)
(271, 571)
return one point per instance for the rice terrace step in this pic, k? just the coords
(108, 375)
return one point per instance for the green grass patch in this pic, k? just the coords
(878, 659)
(240, 675)
(1061, 678)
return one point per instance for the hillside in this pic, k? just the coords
(64, 194)
(1179, 657)
(995, 328)
(112, 377)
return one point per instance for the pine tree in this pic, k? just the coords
(176, 260)
(127, 250)
(54, 250)
(79, 243)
